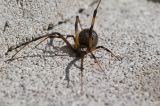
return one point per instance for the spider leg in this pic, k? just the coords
(70, 36)
(76, 34)
(64, 39)
(18, 51)
(94, 17)
(96, 60)
(52, 36)
(50, 42)
(39, 43)
(112, 54)
(90, 39)
(25, 46)
(79, 22)
(22, 46)
(76, 45)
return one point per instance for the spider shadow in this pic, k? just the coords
(69, 53)
(57, 50)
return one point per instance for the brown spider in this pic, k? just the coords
(84, 42)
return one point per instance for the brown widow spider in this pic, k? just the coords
(84, 42)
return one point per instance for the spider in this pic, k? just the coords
(85, 42)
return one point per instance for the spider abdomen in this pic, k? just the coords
(84, 37)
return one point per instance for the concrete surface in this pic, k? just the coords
(130, 28)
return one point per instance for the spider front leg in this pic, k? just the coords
(76, 45)
(78, 21)
(22, 46)
(90, 39)
(51, 36)
(70, 36)
(94, 17)
(50, 42)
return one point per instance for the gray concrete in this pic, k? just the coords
(130, 28)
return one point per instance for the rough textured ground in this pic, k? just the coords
(130, 28)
